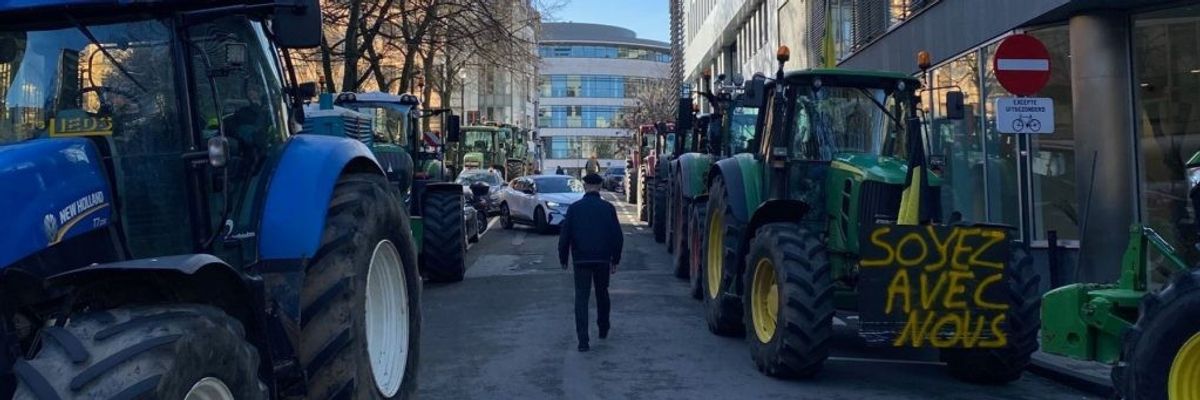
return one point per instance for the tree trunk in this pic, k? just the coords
(327, 66)
(350, 68)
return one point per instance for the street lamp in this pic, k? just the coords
(462, 78)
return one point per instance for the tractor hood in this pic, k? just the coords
(889, 170)
(473, 160)
(50, 190)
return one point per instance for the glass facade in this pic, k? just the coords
(580, 116)
(593, 86)
(996, 177)
(580, 147)
(594, 51)
(1166, 59)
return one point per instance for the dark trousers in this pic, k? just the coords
(587, 275)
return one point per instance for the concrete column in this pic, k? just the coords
(1102, 104)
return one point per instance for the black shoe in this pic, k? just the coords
(583, 347)
(604, 333)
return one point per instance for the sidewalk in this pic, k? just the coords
(1093, 377)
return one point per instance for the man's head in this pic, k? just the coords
(591, 182)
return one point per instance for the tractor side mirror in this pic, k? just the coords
(955, 109)
(297, 24)
(453, 128)
(753, 95)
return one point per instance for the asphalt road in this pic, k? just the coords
(507, 332)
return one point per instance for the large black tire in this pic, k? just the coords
(631, 188)
(798, 340)
(722, 309)
(1167, 321)
(156, 352)
(444, 240)
(644, 199)
(363, 216)
(659, 213)
(1003, 365)
(682, 256)
(695, 246)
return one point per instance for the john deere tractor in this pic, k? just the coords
(723, 133)
(1151, 336)
(393, 133)
(834, 207)
(167, 232)
(481, 147)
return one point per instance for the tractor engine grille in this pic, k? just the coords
(878, 203)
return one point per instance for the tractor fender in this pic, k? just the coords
(740, 178)
(776, 211)
(299, 193)
(691, 170)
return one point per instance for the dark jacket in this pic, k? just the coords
(591, 233)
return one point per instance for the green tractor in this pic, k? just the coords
(723, 133)
(481, 147)
(389, 124)
(1152, 337)
(658, 177)
(518, 161)
(810, 220)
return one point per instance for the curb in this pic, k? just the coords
(1090, 377)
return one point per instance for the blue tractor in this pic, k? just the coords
(168, 234)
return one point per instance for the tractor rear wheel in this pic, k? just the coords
(679, 238)
(643, 196)
(443, 244)
(360, 304)
(788, 301)
(1160, 358)
(695, 247)
(180, 351)
(1003, 365)
(631, 188)
(659, 214)
(722, 311)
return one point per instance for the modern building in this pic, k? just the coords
(1125, 83)
(589, 77)
(505, 91)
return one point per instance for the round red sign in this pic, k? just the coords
(1022, 64)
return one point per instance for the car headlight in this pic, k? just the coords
(552, 204)
(1194, 176)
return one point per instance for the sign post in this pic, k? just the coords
(1022, 66)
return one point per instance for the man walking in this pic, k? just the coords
(591, 235)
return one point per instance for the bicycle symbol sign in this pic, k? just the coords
(1028, 115)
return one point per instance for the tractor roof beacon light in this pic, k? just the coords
(782, 55)
(924, 60)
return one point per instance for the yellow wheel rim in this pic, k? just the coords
(716, 250)
(1184, 381)
(764, 300)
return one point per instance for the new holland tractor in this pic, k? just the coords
(724, 132)
(833, 208)
(168, 234)
(390, 127)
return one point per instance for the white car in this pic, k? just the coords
(539, 200)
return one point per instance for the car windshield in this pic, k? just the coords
(841, 120)
(616, 171)
(112, 80)
(470, 178)
(558, 185)
(479, 140)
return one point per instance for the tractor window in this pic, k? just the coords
(244, 99)
(741, 128)
(839, 120)
(480, 141)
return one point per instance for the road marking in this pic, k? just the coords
(885, 361)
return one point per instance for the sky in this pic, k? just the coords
(649, 18)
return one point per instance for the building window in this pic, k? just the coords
(1166, 56)
(614, 52)
(580, 147)
(580, 116)
(593, 86)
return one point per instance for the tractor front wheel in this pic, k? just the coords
(788, 301)
(444, 240)
(659, 213)
(679, 238)
(161, 352)
(1161, 353)
(1003, 365)
(722, 310)
(360, 303)
(695, 247)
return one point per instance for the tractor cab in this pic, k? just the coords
(481, 148)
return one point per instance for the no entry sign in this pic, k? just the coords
(1022, 65)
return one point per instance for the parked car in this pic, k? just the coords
(539, 200)
(489, 179)
(475, 218)
(614, 179)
